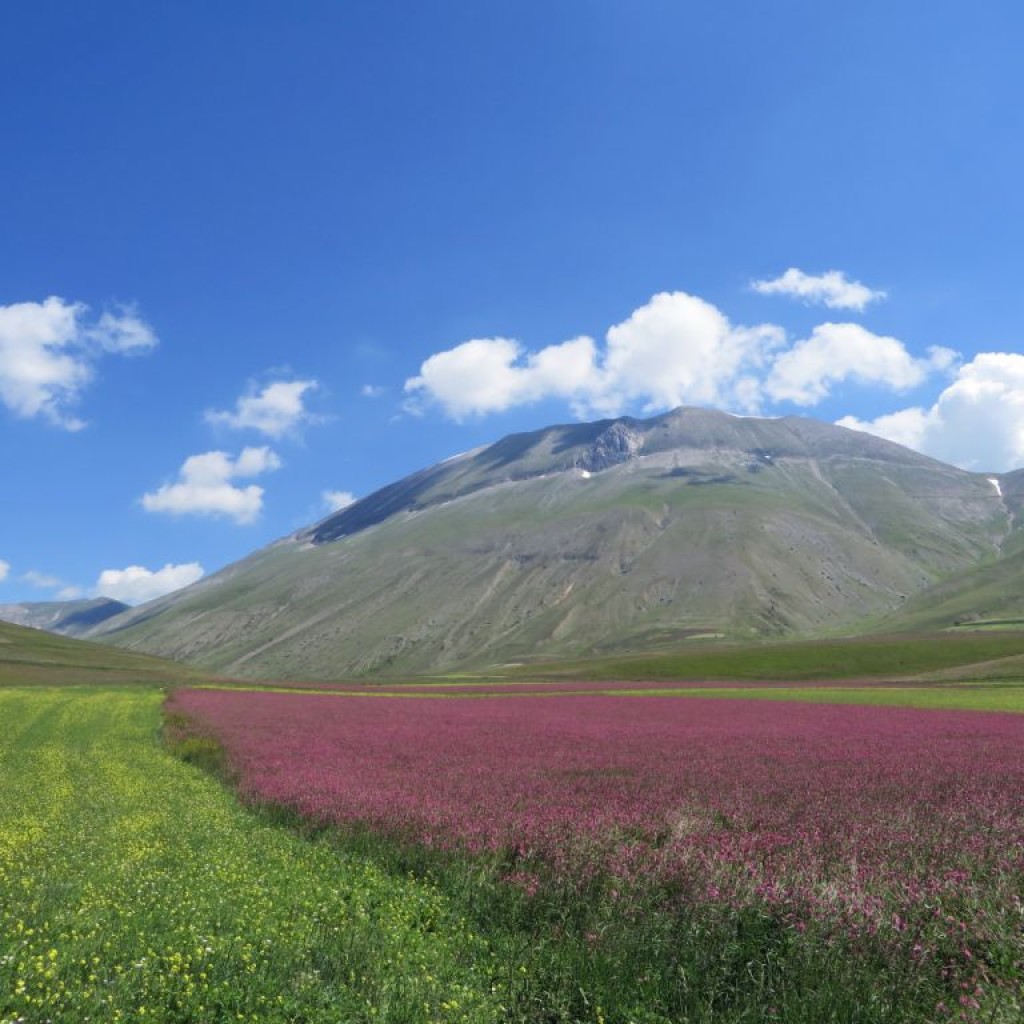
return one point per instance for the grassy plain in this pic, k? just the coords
(963, 670)
(911, 655)
(949, 698)
(1007, 697)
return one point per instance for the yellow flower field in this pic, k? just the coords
(133, 888)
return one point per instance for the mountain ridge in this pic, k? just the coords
(66, 618)
(589, 447)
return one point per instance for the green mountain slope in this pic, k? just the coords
(33, 657)
(989, 595)
(592, 538)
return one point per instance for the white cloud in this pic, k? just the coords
(675, 349)
(805, 373)
(122, 333)
(204, 486)
(41, 580)
(137, 584)
(477, 376)
(44, 581)
(48, 350)
(335, 501)
(5, 568)
(831, 289)
(977, 421)
(678, 349)
(254, 461)
(481, 376)
(906, 427)
(371, 391)
(277, 410)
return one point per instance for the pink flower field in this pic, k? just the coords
(887, 829)
(831, 809)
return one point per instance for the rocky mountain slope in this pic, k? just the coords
(69, 618)
(595, 537)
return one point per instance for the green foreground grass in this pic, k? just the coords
(133, 887)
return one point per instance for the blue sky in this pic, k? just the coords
(253, 254)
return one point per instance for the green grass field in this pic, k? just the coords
(872, 657)
(133, 887)
(1006, 697)
(964, 698)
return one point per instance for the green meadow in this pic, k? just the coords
(964, 698)
(135, 888)
(1008, 697)
(961, 654)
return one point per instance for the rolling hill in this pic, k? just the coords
(598, 538)
(34, 657)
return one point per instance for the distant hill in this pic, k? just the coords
(597, 538)
(34, 657)
(69, 618)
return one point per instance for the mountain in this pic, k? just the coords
(598, 537)
(69, 618)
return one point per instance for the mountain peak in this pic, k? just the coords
(598, 446)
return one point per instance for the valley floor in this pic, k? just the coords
(133, 885)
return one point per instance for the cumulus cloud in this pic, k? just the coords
(335, 501)
(137, 584)
(371, 391)
(977, 421)
(5, 568)
(906, 427)
(832, 289)
(277, 410)
(488, 375)
(122, 333)
(805, 373)
(204, 486)
(48, 352)
(673, 350)
(678, 349)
